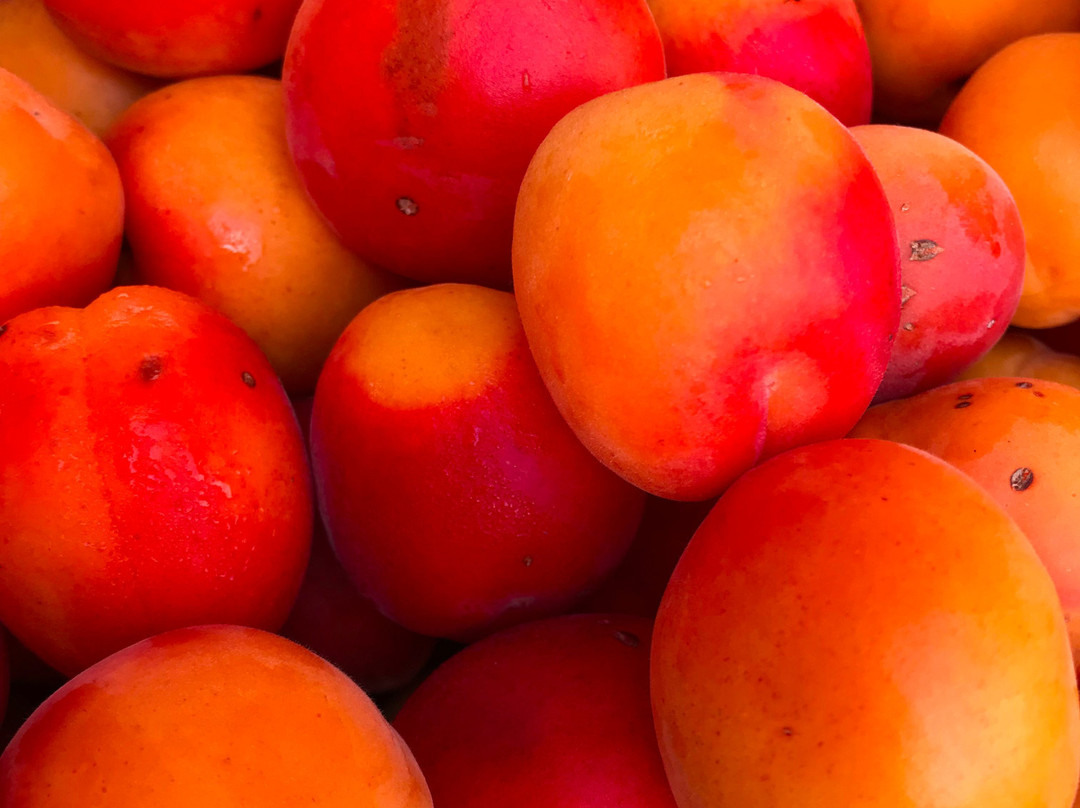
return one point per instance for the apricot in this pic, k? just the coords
(152, 476)
(412, 123)
(454, 494)
(214, 715)
(552, 713)
(962, 254)
(180, 37)
(1020, 354)
(708, 274)
(1020, 440)
(859, 623)
(637, 584)
(35, 49)
(1021, 113)
(816, 46)
(61, 205)
(924, 50)
(234, 227)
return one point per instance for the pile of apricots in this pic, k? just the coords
(539, 403)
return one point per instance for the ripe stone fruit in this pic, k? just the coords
(218, 716)
(454, 494)
(35, 49)
(858, 623)
(412, 121)
(234, 227)
(1021, 113)
(1020, 354)
(152, 476)
(816, 46)
(551, 713)
(180, 37)
(61, 205)
(707, 273)
(924, 50)
(1020, 440)
(962, 254)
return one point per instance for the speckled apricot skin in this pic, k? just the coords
(553, 712)
(454, 494)
(1020, 440)
(235, 227)
(211, 715)
(181, 37)
(61, 205)
(1020, 112)
(816, 46)
(858, 623)
(924, 50)
(412, 121)
(961, 251)
(35, 49)
(707, 272)
(153, 476)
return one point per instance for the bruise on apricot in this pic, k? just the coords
(249, 380)
(1021, 479)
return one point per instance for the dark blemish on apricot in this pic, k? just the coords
(961, 405)
(909, 326)
(1038, 393)
(256, 15)
(527, 561)
(150, 368)
(407, 206)
(1021, 479)
(249, 380)
(628, 639)
(905, 208)
(965, 396)
(924, 249)
(906, 293)
(1024, 384)
(788, 731)
(892, 337)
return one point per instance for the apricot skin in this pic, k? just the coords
(858, 623)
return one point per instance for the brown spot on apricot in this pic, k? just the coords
(249, 380)
(628, 639)
(527, 561)
(407, 206)
(1021, 479)
(1023, 384)
(151, 367)
(924, 249)
(965, 396)
(787, 731)
(906, 293)
(962, 405)
(1039, 393)
(909, 326)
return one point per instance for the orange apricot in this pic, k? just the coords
(218, 716)
(707, 273)
(924, 50)
(1021, 113)
(1020, 354)
(234, 226)
(34, 48)
(61, 205)
(1020, 440)
(858, 623)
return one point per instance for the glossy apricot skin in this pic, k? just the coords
(924, 50)
(235, 227)
(454, 494)
(34, 48)
(637, 584)
(707, 272)
(61, 205)
(815, 46)
(859, 623)
(412, 121)
(211, 715)
(1021, 354)
(181, 37)
(553, 712)
(153, 476)
(1021, 113)
(1020, 440)
(962, 254)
